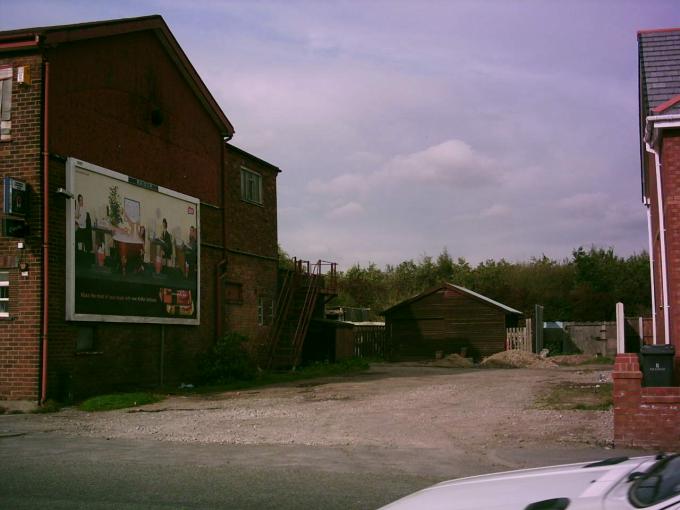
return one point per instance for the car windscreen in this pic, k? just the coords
(658, 484)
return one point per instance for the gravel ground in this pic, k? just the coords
(392, 405)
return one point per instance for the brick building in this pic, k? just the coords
(650, 416)
(117, 104)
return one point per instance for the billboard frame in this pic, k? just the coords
(71, 165)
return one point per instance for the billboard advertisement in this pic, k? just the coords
(133, 249)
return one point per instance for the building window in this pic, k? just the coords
(251, 186)
(4, 294)
(5, 103)
(260, 311)
(85, 339)
(265, 311)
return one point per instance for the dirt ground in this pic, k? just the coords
(391, 405)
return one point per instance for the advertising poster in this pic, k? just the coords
(132, 249)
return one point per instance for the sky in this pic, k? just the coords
(492, 129)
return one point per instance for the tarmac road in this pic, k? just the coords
(343, 443)
(50, 470)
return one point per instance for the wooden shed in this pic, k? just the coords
(448, 318)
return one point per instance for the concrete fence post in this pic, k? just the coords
(620, 329)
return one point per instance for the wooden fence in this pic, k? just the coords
(519, 338)
(369, 341)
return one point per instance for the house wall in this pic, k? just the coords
(101, 95)
(252, 249)
(670, 160)
(448, 321)
(21, 158)
(102, 115)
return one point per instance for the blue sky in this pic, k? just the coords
(492, 128)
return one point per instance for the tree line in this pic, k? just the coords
(583, 287)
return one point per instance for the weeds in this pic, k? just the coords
(581, 397)
(118, 401)
(264, 378)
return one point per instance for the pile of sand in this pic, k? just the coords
(516, 359)
(454, 361)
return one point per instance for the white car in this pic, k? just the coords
(620, 483)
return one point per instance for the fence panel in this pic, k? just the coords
(369, 342)
(519, 338)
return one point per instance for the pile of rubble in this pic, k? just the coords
(516, 359)
(453, 361)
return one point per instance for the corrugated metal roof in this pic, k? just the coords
(659, 59)
(458, 288)
(484, 298)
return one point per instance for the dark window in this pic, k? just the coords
(4, 294)
(85, 339)
(5, 103)
(251, 186)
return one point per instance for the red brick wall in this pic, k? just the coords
(101, 95)
(670, 160)
(252, 246)
(643, 416)
(102, 114)
(20, 158)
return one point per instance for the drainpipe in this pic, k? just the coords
(222, 265)
(651, 267)
(662, 236)
(45, 236)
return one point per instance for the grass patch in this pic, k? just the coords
(573, 396)
(118, 401)
(265, 378)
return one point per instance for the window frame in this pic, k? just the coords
(4, 283)
(6, 77)
(246, 191)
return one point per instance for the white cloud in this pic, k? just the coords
(345, 211)
(450, 163)
(496, 210)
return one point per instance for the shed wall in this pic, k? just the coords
(448, 321)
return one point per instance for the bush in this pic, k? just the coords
(227, 361)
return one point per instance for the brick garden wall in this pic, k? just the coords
(21, 158)
(647, 417)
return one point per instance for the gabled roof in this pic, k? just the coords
(659, 82)
(252, 157)
(451, 286)
(45, 37)
(659, 78)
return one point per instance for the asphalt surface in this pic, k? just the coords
(50, 470)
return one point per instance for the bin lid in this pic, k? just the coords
(658, 349)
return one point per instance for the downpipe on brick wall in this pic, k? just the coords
(662, 238)
(657, 124)
(647, 202)
(45, 237)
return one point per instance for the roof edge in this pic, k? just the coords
(666, 104)
(657, 31)
(458, 288)
(58, 34)
(252, 156)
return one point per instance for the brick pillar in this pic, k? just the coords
(644, 416)
(627, 390)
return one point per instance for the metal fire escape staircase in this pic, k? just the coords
(297, 300)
